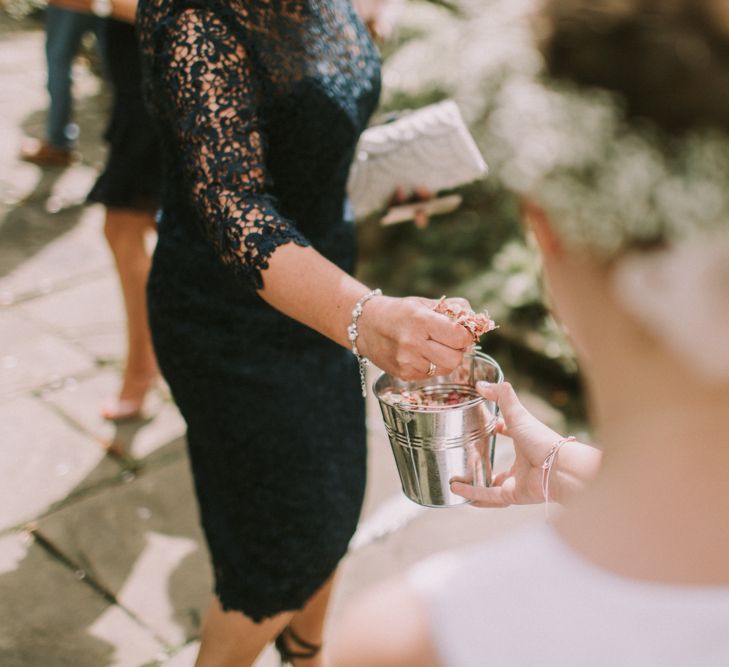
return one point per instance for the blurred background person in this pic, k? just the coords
(630, 210)
(65, 28)
(129, 187)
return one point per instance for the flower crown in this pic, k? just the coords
(608, 186)
(657, 206)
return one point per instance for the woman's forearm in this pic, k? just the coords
(404, 337)
(306, 286)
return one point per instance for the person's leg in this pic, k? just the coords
(125, 232)
(307, 627)
(231, 639)
(64, 30)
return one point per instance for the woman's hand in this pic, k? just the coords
(533, 440)
(404, 336)
(402, 199)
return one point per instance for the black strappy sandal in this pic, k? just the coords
(302, 649)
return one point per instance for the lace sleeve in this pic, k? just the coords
(210, 94)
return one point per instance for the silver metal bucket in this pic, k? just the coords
(435, 445)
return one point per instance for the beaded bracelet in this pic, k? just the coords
(549, 461)
(353, 334)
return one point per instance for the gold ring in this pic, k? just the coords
(431, 369)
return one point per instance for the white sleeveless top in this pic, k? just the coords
(529, 601)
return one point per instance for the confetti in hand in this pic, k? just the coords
(477, 323)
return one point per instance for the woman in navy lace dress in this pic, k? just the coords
(260, 105)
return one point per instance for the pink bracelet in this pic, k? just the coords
(547, 466)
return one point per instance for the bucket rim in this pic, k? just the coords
(435, 409)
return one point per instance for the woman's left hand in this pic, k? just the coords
(533, 441)
(420, 194)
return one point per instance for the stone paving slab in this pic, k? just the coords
(29, 195)
(69, 249)
(31, 357)
(76, 313)
(18, 180)
(44, 461)
(58, 192)
(141, 541)
(22, 68)
(141, 439)
(107, 345)
(49, 618)
(185, 657)
(27, 229)
(91, 304)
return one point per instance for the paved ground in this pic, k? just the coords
(101, 558)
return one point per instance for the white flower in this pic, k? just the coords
(615, 190)
(606, 186)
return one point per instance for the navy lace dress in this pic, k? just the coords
(133, 172)
(259, 104)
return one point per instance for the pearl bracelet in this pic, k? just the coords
(353, 334)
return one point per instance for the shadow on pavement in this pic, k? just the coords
(54, 205)
(121, 568)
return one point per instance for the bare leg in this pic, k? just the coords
(230, 639)
(309, 624)
(125, 232)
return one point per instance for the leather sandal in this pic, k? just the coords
(301, 649)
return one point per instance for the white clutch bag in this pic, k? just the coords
(430, 147)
